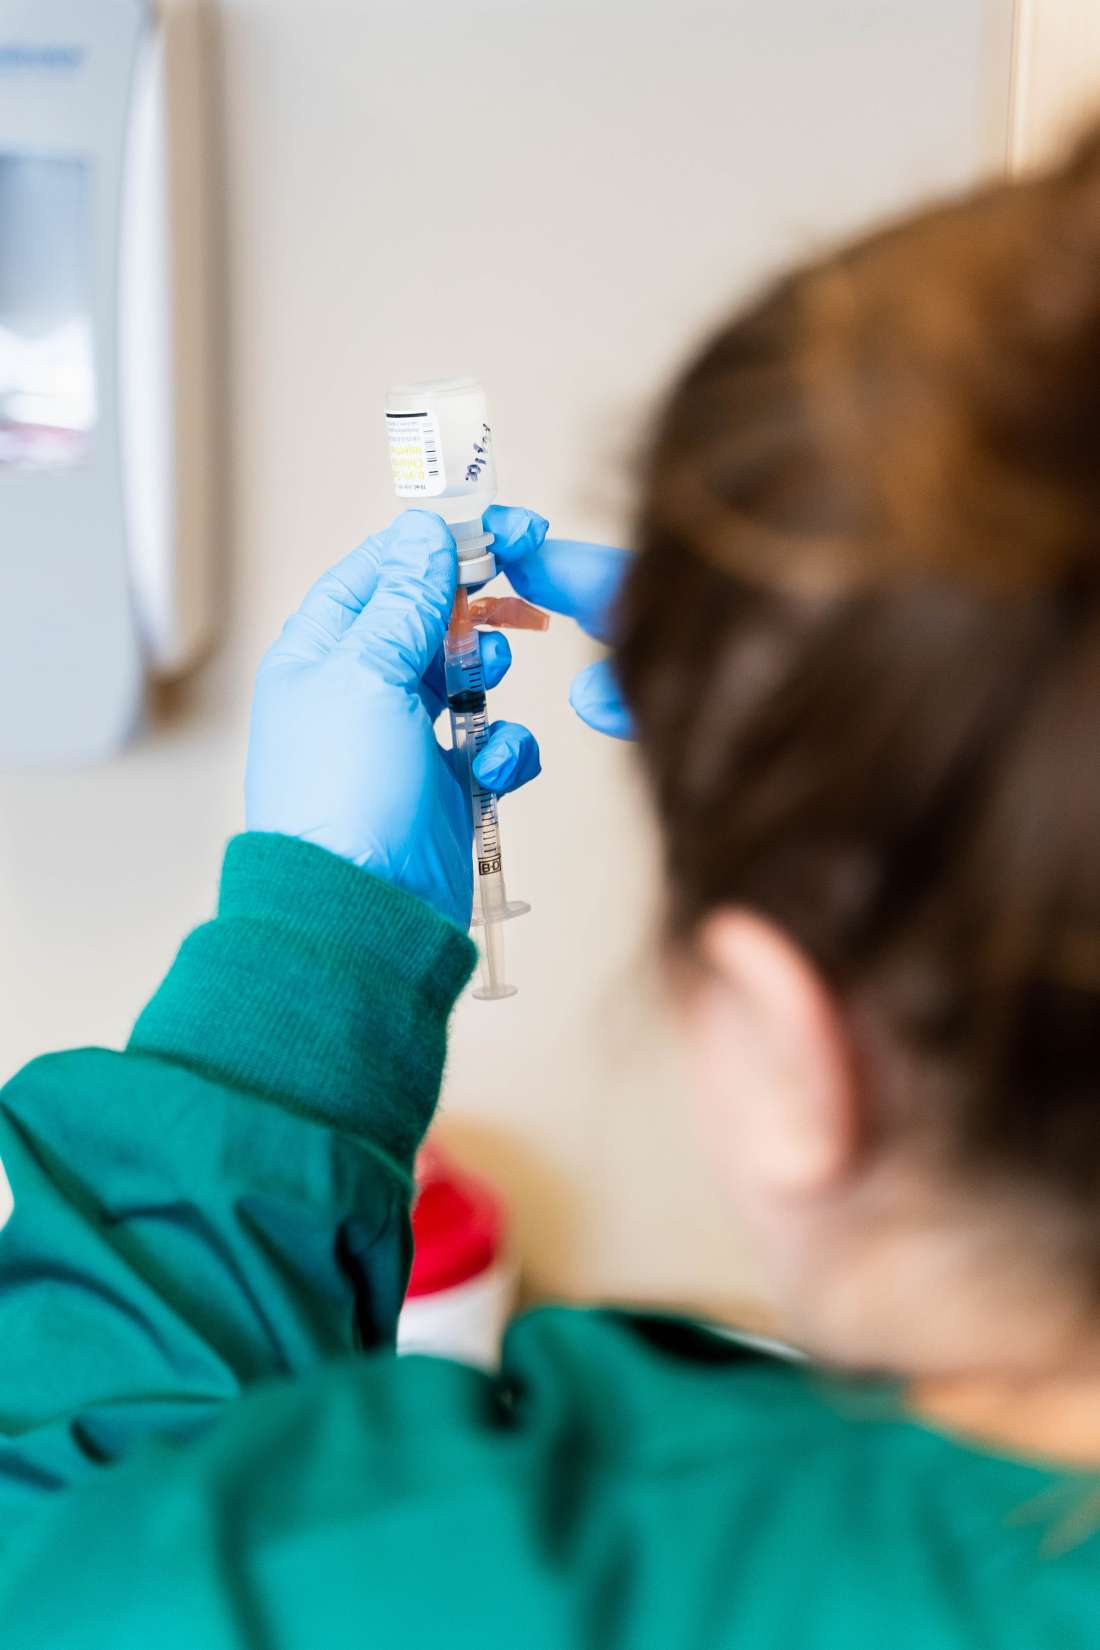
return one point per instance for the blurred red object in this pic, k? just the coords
(458, 1225)
(463, 1286)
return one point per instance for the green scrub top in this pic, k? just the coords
(207, 1441)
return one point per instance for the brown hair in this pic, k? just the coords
(862, 646)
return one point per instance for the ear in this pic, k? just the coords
(773, 1057)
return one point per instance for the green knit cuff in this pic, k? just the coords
(319, 987)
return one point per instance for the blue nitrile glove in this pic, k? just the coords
(342, 750)
(577, 579)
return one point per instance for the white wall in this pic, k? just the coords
(558, 196)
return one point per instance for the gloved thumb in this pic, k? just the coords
(596, 697)
(402, 625)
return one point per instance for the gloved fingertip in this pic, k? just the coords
(423, 526)
(515, 531)
(509, 759)
(529, 764)
(492, 770)
(401, 627)
(496, 656)
(596, 697)
(421, 543)
(615, 722)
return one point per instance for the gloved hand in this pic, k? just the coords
(342, 750)
(571, 577)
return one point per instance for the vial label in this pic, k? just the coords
(416, 454)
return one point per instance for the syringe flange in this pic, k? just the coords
(502, 913)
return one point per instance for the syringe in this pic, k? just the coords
(465, 683)
(441, 451)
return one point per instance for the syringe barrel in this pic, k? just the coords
(465, 684)
(469, 731)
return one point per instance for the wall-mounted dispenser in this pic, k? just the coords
(105, 489)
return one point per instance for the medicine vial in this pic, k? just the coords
(441, 453)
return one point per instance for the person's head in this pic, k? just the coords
(862, 648)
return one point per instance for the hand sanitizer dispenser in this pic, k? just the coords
(105, 536)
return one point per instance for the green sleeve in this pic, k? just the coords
(227, 1200)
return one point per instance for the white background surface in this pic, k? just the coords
(559, 197)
